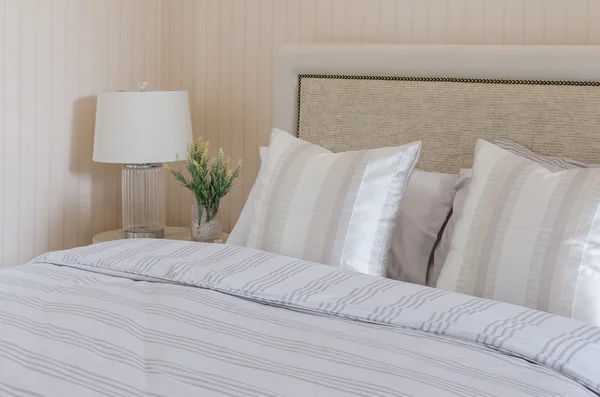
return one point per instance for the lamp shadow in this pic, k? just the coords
(91, 189)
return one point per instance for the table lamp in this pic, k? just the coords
(142, 129)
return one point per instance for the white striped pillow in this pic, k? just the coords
(332, 208)
(551, 162)
(528, 236)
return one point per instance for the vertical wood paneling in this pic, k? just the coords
(555, 21)
(41, 210)
(11, 150)
(456, 16)
(153, 51)
(438, 21)
(265, 69)
(293, 18)
(26, 167)
(113, 55)
(323, 16)
(138, 47)
(3, 101)
(42, 133)
(187, 82)
(238, 122)
(173, 56)
(84, 113)
(575, 31)
(592, 24)
(199, 51)
(59, 146)
(225, 43)
(420, 23)
(403, 27)
(535, 21)
(475, 32)
(354, 21)
(308, 20)
(56, 55)
(371, 22)
(70, 135)
(495, 12)
(212, 75)
(250, 95)
(387, 15)
(99, 81)
(338, 21)
(514, 21)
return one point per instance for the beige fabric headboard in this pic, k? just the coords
(354, 97)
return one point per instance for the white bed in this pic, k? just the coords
(168, 318)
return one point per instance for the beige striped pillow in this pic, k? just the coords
(528, 236)
(333, 208)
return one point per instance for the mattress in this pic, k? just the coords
(174, 318)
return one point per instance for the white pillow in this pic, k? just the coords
(462, 185)
(551, 162)
(528, 236)
(239, 234)
(332, 208)
(425, 206)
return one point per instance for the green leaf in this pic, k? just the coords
(210, 179)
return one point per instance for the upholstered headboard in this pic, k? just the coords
(354, 97)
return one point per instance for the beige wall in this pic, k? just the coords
(56, 54)
(222, 51)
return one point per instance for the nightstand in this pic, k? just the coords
(171, 233)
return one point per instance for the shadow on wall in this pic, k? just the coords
(91, 192)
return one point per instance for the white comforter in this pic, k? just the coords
(168, 318)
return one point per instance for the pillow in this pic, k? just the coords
(550, 162)
(462, 185)
(442, 249)
(528, 236)
(424, 208)
(333, 208)
(239, 233)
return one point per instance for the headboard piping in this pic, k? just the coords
(430, 79)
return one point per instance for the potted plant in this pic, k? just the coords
(210, 180)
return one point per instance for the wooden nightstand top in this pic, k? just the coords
(171, 233)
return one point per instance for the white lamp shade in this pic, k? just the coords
(142, 127)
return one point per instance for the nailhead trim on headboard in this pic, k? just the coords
(432, 79)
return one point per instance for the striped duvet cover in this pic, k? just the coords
(172, 318)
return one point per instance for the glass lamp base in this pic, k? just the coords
(143, 200)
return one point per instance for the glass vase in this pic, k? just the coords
(206, 224)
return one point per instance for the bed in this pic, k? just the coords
(173, 318)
